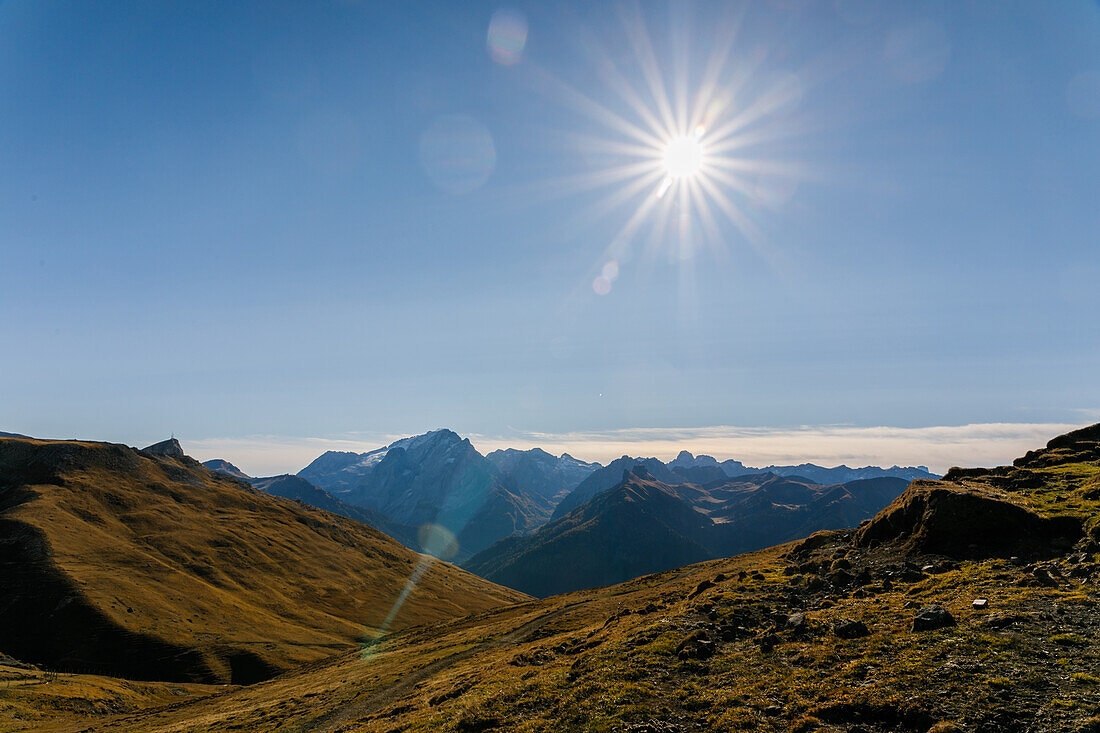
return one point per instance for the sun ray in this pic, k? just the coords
(647, 61)
(594, 109)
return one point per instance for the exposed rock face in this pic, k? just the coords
(940, 518)
(988, 512)
(1079, 445)
(170, 447)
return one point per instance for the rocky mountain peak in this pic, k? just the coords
(170, 447)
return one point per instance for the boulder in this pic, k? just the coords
(849, 629)
(696, 645)
(932, 617)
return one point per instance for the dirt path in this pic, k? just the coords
(360, 709)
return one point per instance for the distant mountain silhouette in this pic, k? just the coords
(813, 472)
(639, 527)
(610, 475)
(644, 525)
(298, 489)
(538, 472)
(686, 468)
(222, 466)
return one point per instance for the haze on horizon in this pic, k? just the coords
(276, 228)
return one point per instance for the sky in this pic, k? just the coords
(273, 228)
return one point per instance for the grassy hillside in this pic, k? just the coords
(846, 631)
(151, 566)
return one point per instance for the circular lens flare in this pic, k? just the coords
(683, 157)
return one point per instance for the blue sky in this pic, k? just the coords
(238, 220)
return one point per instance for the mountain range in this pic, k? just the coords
(440, 479)
(645, 525)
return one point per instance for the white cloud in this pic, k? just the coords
(938, 447)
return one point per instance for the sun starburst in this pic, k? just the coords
(682, 154)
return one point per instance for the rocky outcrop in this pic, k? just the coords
(170, 447)
(941, 518)
(1079, 445)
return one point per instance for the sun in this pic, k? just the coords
(683, 157)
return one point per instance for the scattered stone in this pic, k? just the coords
(932, 617)
(696, 645)
(849, 629)
(705, 585)
(796, 622)
(946, 726)
(767, 642)
(720, 577)
(998, 621)
(980, 603)
(841, 564)
(1044, 577)
(841, 578)
(928, 569)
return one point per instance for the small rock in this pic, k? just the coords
(928, 569)
(796, 622)
(1044, 577)
(767, 642)
(840, 578)
(999, 621)
(980, 603)
(932, 617)
(705, 585)
(848, 629)
(696, 646)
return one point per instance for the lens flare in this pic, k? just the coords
(507, 36)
